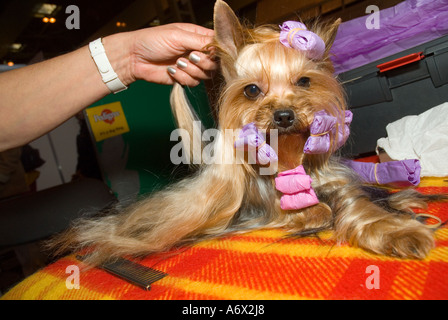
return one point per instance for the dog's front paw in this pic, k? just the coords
(413, 241)
(397, 237)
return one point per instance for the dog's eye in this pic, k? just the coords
(252, 91)
(303, 82)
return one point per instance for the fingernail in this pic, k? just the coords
(194, 58)
(171, 70)
(181, 64)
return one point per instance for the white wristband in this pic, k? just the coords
(110, 78)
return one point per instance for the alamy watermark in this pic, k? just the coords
(373, 280)
(218, 148)
(72, 281)
(73, 20)
(373, 20)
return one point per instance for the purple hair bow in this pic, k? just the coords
(324, 124)
(295, 35)
(400, 173)
(250, 139)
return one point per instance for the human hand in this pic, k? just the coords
(170, 53)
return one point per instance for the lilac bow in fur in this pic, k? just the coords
(399, 173)
(250, 139)
(323, 125)
(294, 34)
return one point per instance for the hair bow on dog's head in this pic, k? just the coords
(295, 35)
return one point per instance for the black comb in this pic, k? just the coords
(132, 272)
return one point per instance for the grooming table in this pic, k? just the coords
(263, 265)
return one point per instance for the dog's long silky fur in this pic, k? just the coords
(223, 198)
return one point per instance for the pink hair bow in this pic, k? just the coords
(250, 139)
(296, 186)
(323, 125)
(295, 35)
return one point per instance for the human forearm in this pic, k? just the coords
(37, 98)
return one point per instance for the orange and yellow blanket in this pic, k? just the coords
(263, 265)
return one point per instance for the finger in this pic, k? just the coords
(182, 77)
(194, 41)
(196, 29)
(193, 70)
(202, 60)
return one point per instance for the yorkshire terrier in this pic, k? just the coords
(279, 89)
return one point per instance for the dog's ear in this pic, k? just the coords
(330, 34)
(228, 35)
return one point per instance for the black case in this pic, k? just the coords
(378, 98)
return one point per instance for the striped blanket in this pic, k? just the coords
(262, 265)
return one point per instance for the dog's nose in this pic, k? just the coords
(284, 118)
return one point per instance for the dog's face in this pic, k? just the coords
(274, 86)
